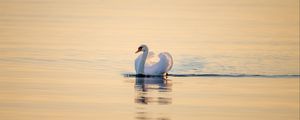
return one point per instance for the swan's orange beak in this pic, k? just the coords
(139, 50)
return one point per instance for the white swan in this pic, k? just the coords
(145, 65)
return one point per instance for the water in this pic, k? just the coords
(63, 59)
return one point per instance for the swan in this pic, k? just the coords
(144, 64)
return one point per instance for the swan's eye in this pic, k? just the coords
(140, 48)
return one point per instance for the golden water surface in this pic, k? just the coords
(64, 59)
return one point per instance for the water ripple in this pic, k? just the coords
(217, 75)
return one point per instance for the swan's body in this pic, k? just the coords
(145, 65)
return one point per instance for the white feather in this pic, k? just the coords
(155, 65)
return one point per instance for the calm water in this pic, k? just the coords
(65, 59)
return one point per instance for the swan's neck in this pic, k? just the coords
(142, 63)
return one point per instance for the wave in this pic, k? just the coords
(217, 75)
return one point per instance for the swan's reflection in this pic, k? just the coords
(152, 90)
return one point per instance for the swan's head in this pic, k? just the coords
(142, 48)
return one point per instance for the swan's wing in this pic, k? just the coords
(169, 59)
(150, 59)
(164, 64)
